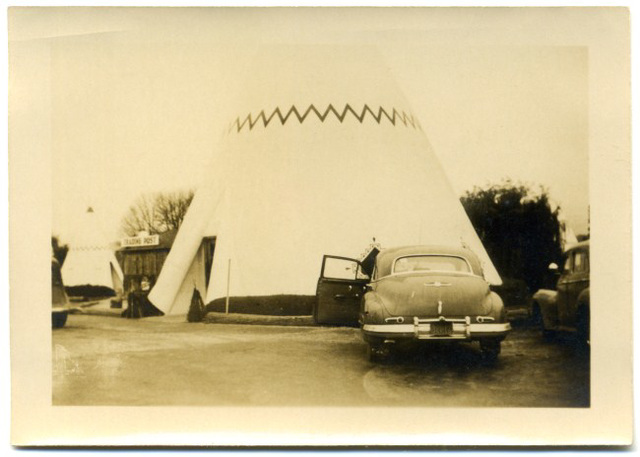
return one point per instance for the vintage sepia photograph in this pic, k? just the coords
(270, 226)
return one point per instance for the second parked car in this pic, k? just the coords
(568, 307)
(59, 300)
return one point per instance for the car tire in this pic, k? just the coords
(489, 358)
(582, 327)
(372, 352)
(379, 353)
(58, 320)
(538, 322)
(489, 351)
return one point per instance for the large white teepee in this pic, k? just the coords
(324, 155)
(90, 259)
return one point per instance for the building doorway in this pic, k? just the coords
(208, 247)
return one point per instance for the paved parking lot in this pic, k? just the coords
(106, 360)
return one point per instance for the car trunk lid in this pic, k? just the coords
(434, 295)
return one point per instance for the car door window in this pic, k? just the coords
(579, 262)
(374, 275)
(361, 274)
(586, 262)
(567, 264)
(340, 268)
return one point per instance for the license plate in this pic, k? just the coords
(441, 328)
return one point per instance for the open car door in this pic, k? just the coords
(340, 288)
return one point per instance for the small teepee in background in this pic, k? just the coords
(90, 260)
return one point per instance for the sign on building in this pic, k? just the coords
(147, 240)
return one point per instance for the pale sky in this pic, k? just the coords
(141, 97)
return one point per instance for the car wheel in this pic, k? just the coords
(379, 352)
(58, 319)
(582, 327)
(372, 352)
(538, 322)
(489, 350)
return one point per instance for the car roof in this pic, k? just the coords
(580, 245)
(387, 256)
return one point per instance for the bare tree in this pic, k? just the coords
(156, 212)
(171, 208)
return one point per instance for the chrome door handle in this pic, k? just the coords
(344, 297)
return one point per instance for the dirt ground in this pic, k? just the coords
(106, 360)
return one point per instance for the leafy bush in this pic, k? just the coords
(514, 292)
(519, 229)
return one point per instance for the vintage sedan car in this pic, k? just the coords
(568, 307)
(59, 301)
(415, 294)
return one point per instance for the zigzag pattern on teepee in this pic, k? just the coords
(395, 116)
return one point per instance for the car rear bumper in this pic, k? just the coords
(60, 309)
(431, 329)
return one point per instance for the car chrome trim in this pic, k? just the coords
(437, 284)
(574, 281)
(461, 328)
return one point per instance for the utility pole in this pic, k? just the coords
(226, 305)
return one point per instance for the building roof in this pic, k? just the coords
(579, 245)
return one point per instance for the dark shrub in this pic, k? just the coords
(518, 227)
(88, 291)
(274, 305)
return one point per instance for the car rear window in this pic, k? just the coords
(431, 263)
